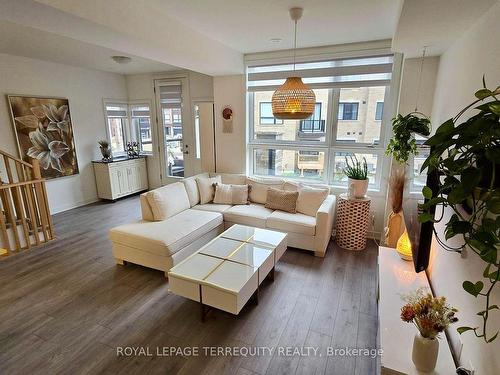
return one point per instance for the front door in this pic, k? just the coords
(176, 130)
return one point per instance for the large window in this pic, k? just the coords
(350, 97)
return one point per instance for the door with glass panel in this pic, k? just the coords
(176, 130)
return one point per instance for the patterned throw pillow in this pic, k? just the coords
(282, 200)
(231, 194)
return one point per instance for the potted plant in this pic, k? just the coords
(105, 149)
(431, 316)
(401, 146)
(357, 176)
(466, 157)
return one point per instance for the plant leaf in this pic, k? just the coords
(461, 330)
(473, 289)
(427, 192)
(482, 94)
(493, 338)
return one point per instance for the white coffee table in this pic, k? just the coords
(227, 272)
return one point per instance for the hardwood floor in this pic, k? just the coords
(65, 307)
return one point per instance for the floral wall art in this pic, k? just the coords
(44, 131)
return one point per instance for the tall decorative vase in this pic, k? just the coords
(425, 353)
(395, 228)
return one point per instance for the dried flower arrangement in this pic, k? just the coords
(431, 315)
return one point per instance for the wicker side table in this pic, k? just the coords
(353, 217)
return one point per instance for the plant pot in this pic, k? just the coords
(106, 152)
(357, 188)
(425, 353)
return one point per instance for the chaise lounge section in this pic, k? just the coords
(175, 223)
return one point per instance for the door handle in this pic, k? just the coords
(186, 152)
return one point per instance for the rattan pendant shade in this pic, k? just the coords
(293, 100)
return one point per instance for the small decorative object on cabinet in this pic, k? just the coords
(403, 247)
(431, 315)
(120, 177)
(357, 173)
(105, 150)
(353, 217)
(132, 149)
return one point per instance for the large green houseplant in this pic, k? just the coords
(466, 156)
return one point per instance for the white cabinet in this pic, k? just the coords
(121, 177)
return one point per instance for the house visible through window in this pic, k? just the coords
(379, 110)
(313, 124)
(266, 115)
(348, 111)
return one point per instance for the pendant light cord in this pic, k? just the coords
(420, 78)
(294, 45)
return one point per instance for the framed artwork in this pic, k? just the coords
(44, 131)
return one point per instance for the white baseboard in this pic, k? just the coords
(67, 207)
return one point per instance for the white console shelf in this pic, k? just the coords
(397, 277)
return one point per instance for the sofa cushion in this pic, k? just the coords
(212, 207)
(259, 186)
(252, 214)
(206, 188)
(231, 178)
(231, 194)
(166, 237)
(294, 223)
(192, 188)
(310, 199)
(278, 199)
(168, 200)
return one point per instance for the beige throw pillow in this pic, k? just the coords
(206, 188)
(231, 194)
(258, 188)
(310, 199)
(282, 200)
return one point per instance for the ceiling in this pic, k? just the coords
(248, 26)
(211, 37)
(436, 24)
(29, 42)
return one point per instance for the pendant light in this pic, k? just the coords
(294, 100)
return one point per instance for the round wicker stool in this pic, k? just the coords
(353, 217)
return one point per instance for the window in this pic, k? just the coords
(141, 124)
(116, 118)
(378, 111)
(343, 123)
(266, 114)
(348, 111)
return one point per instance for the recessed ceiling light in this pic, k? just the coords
(275, 40)
(121, 59)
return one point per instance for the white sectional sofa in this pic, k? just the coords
(189, 225)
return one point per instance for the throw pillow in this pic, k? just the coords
(310, 199)
(258, 192)
(282, 200)
(231, 194)
(206, 188)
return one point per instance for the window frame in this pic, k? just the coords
(136, 132)
(129, 133)
(381, 112)
(330, 146)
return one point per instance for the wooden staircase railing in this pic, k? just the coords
(25, 218)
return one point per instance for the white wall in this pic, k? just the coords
(85, 90)
(461, 69)
(230, 147)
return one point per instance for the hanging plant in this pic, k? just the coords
(466, 156)
(403, 143)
